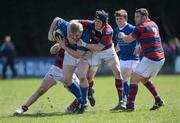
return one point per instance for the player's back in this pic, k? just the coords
(59, 58)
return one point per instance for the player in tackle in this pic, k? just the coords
(55, 73)
(103, 48)
(77, 57)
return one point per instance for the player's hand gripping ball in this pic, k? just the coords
(57, 33)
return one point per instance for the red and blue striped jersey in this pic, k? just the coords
(103, 37)
(147, 33)
(59, 58)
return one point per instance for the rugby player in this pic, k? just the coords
(147, 34)
(127, 53)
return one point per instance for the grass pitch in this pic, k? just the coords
(50, 107)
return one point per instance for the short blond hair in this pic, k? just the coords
(74, 27)
(121, 13)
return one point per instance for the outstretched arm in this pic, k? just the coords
(126, 38)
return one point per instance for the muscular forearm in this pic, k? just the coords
(94, 47)
(117, 49)
(73, 53)
(55, 48)
(126, 38)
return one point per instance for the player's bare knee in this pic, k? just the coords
(83, 79)
(117, 74)
(67, 81)
(134, 80)
(144, 80)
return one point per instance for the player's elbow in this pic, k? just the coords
(56, 19)
(53, 52)
(50, 37)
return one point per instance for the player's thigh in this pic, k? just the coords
(136, 78)
(114, 64)
(68, 71)
(92, 72)
(47, 83)
(126, 72)
(83, 68)
(56, 73)
(148, 68)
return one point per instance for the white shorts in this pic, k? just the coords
(57, 74)
(149, 68)
(70, 60)
(128, 64)
(88, 57)
(104, 56)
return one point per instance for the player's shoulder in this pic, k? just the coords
(140, 27)
(150, 23)
(116, 30)
(61, 21)
(85, 33)
(130, 26)
(108, 29)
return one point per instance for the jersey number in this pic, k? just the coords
(156, 33)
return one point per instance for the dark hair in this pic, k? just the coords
(102, 15)
(143, 12)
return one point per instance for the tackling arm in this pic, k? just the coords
(76, 54)
(93, 47)
(137, 50)
(55, 48)
(117, 49)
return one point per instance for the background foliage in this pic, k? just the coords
(28, 21)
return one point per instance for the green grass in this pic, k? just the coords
(13, 93)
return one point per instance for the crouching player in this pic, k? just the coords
(55, 73)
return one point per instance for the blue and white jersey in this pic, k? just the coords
(62, 25)
(126, 49)
(85, 37)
